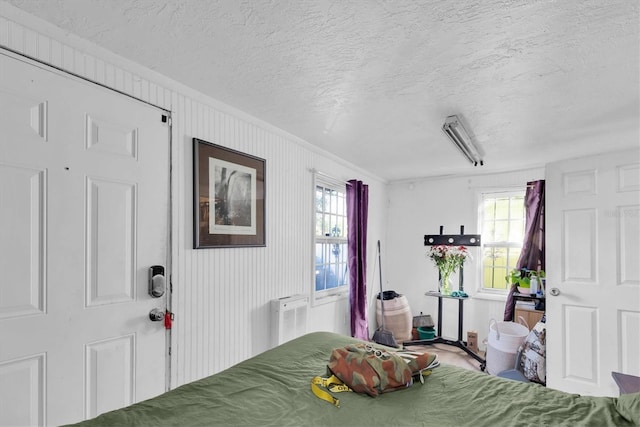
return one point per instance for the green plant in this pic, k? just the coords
(515, 277)
(522, 278)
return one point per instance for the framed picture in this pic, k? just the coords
(229, 197)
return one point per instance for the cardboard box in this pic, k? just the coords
(472, 341)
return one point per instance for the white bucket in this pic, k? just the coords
(504, 340)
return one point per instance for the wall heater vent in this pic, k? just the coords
(289, 318)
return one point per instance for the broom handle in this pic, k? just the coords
(381, 295)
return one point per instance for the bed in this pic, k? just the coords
(273, 388)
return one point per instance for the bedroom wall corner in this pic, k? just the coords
(221, 297)
(421, 207)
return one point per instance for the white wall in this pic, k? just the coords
(221, 297)
(421, 207)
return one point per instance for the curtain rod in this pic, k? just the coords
(509, 187)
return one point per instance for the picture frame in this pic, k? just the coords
(228, 197)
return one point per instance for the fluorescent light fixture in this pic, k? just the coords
(458, 134)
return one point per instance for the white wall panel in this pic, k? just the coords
(224, 293)
(92, 66)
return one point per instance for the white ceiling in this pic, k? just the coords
(372, 81)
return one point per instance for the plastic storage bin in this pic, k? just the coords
(502, 345)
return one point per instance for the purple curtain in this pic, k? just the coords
(357, 212)
(533, 250)
(533, 247)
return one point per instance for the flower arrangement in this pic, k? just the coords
(448, 259)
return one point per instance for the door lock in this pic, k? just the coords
(156, 315)
(157, 281)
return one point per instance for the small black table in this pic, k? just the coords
(459, 343)
(451, 240)
(540, 300)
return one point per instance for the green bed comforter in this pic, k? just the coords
(273, 388)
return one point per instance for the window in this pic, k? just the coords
(503, 220)
(331, 275)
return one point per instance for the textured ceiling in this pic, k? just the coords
(372, 81)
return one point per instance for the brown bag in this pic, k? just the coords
(365, 368)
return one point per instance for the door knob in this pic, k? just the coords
(156, 315)
(554, 291)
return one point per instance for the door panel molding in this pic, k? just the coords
(580, 182)
(111, 219)
(581, 343)
(579, 243)
(629, 245)
(111, 138)
(629, 178)
(22, 385)
(110, 373)
(630, 345)
(24, 249)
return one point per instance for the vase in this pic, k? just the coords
(445, 285)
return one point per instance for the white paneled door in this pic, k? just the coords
(593, 272)
(84, 194)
